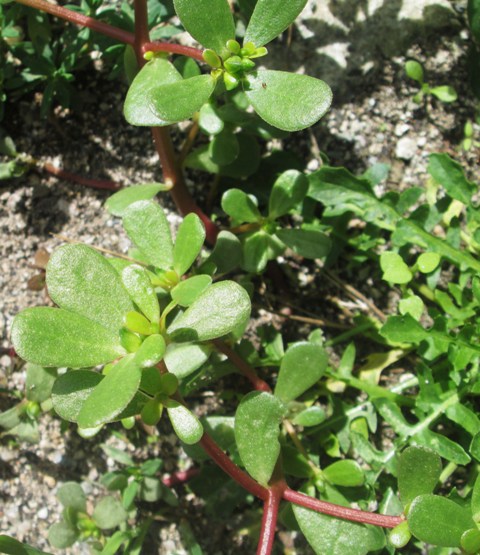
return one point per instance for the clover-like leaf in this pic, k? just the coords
(188, 290)
(288, 101)
(139, 286)
(288, 190)
(147, 226)
(56, 337)
(180, 100)
(270, 18)
(216, 312)
(438, 520)
(186, 425)
(136, 109)
(81, 280)
(419, 469)
(121, 200)
(112, 394)
(210, 22)
(257, 423)
(302, 366)
(188, 243)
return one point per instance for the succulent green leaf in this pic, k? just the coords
(345, 473)
(400, 535)
(147, 226)
(310, 243)
(403, 329)
(109, 513)
(119, 201)
(470, 541)
(257, 423)
(151, 351)
(62, 535)
(450, 175)
(428, 261)
(240, 206)
(139, 287)
(224, 148)
(327, 534)
(180, 100)
(210, 22)
(190, 289)
(209, 120)
(438, 520)
(394, 268)
(72, 495)
(227, 252)
(302, 366)
(39, 382)
(71, 390)
(188, 243)
(419, 469)
(476, 500)
(136, 109)
(56, 337)
(152, 412)
(81, 280)
(182, 359)
(186, 425)
(270, 18)
(288, 190)
(10, 546)
(137, 323)
(445, 93)
(312, 416)
(288, 101)
(216, 312)
(473, 13)
(112, 394)
(414, 70)
(255, 251)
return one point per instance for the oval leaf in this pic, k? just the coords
(182, 359)
(256, 432)
(345, 473)
(419, 469)
(288, 190)
(186, 424)
(240, 206)
(139, 286)
(62, 535)
(438, 520)
(72, 495)
(71, 390)
(112, 394)
(180, 100)
(302, 366)
(136, 108)
(147, 226)
(210, 22)
(188, 243)
(121, 200)
(81, 280)
(310, 243)
(217, 312)
(56, 337)
(187, 291)
(270, 18)
(288, 101)
(109, 513)
(151, 351)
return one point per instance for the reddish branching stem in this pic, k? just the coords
(75, 178)
(189, 51)
(179, 477)
(242, 365)
(270, 516)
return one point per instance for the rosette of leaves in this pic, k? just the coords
(109, 314)
(160, 95)
(263, 238)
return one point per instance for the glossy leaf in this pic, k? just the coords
(10, 546)
(188, 243)
(257, 423)
(227, 252)
(419, 469)
(210, 22)
(72, 495)
(151, 351)
(438, 520)
(186, 425)
(288, 190)
(139, 287)
(184, 358)
(326, 534)
(288, 101)
(394, 268)
(301, 367)
(345, 473)
(270, 18)
(136, 109)
(62, 535)
(109, 513)
(470, 541)
(240, 206)
(147, 226)
(188, 290)
(71, 390)
(209, 120)
(450, 175)
(121, 200)
(56, 337)
(82, 281)
(112, 394)
(224, 148)
(218, 311)
(310, 243)
(180, 100)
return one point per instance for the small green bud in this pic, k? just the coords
(136, 322)
(233, 46)
(259, 52)
(230, 81)
(128, 423)
(400, 535)
(470, 540)
(248, 49)
(130, 341)
(149, 55)
(33, 409)
(247, 64)
(168, 279)
(211, 58)
(233, 64)
(152, 412)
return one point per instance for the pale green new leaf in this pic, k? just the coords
(188, 243)
(257, 423)
(55, 337)
(136, 109)
(81, 280)
(186, 425)
(121, 200)
(151, 351)
(270, 18)
(188, 290)
(288, 101)
(139, 286)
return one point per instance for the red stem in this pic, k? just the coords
(244, 367)
(346, 513)
(179, 477)
(93, 183)
(189, 51)
(270, 516)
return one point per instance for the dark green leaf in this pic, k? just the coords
(109, 513)
(473, 12)
(227, 252)
(403, 329)
(39, 382)
(270, 18)
(224, 148)
(310, 243)
(240, 206)
(121, 200)
(188, 243)
(256, 251)
(10, 546)
(188, 290)
(288, 101)
(450, 175)
(257, 423)
(288, 190)
(418, 472)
